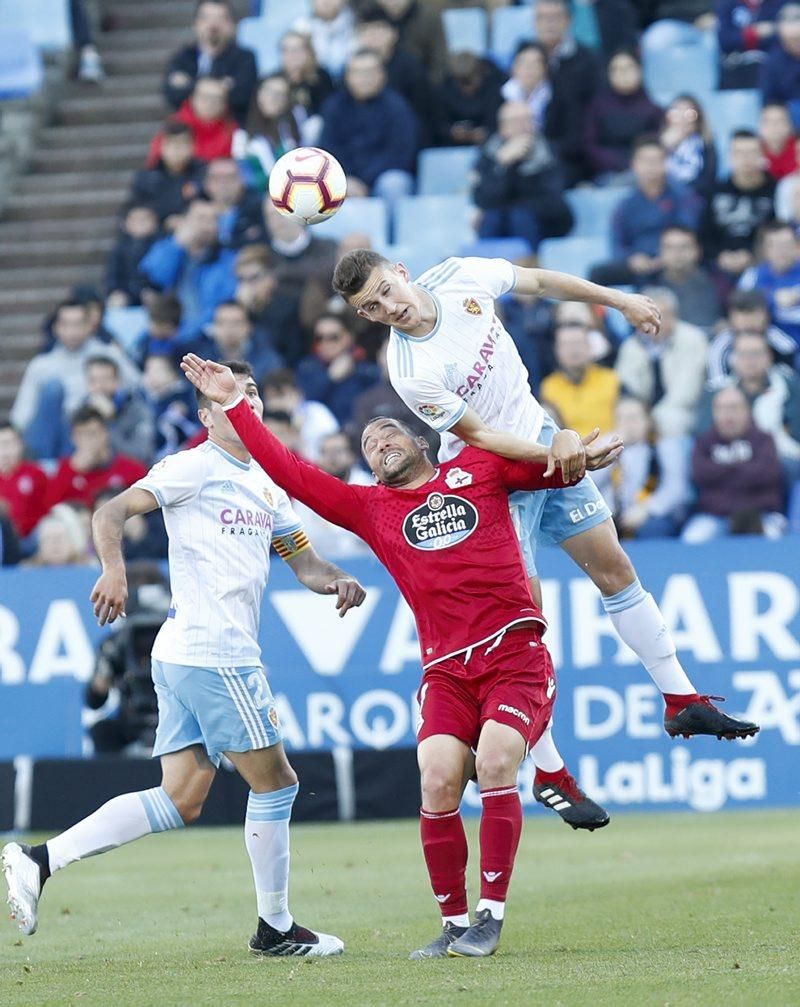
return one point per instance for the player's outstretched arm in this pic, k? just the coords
(533, 475)
(322, 577)
(111, 590)
(641, 312)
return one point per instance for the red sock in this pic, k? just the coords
(444, 844)
(501, 827)
(676, 702)
(557, 777)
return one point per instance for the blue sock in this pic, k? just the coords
(626, 598)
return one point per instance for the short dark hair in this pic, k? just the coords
(219, 3)
(87, 414)
(279, 416)
(176, 127)
(529, 44)
(8, 425)
(66, 304)
(353, 270)
(646, 140)
(774, 226)
(103, 361)
(239, 368)
(744, 134)
(748, 300)
(165, 309)
(232, 304)
(687, 232)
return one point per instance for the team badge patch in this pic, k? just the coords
(472, 306)
(431, 411)
(272, 713)
(268, 497)
(458, 477)
(442, 521)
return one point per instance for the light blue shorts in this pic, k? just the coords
(222, 709)
(549, 517)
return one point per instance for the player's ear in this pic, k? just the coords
(402, 269)
(421, 442)
(362, 314)
(205, 417)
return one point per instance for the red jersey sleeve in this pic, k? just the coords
(332, 499)
(527, 475)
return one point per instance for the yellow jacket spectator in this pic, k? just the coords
(584, 393)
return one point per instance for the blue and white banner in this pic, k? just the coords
(733, 608)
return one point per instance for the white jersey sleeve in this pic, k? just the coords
(495, 277)
(286, 519)
(430, 400)
(176, 479)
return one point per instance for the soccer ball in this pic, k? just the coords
(308, 184)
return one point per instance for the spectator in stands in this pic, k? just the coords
(746, 29)
(680, 254)
(62, 539)
(421, 32)
(616, 116)
(649, 490)
(192, 263)
(298, 253)
(748, 311)
(90, 67)
(777, 276)
(175, 179)
(214, 53)
(778, 143)
(737, 207)
(583, 393)
(331, 30)
(93, 464)
(530, 83)
(144, 536)
(371, 130)
(238, 208)
(641, 218)
(519, 186)
(54, 382)
(337, 458)
(172, 403)
(667, 371)
(467, 100)
(405, 73)
(129, 421)
(780, 74)
(10, 549)
(787, 191)
(161, 335)
(205, 111)
(137, 232)
(272, 128)
(574, 76)
(272, 310)
(310, 83)
(737, 473)
(335, 372)
(232, 334)
(22, 484)
(686, 137)
(310, 421)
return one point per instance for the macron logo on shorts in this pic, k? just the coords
(515, 713)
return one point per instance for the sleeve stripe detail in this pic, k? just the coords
(287, 546)
(453, 419)
(144, 485)
(442, 278)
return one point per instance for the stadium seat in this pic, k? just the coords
(512, 249)
(358, 213)
(255, 33)
(466, 30)
(510, 26)
(444, 171)
(690, 69)
(126, 325)
(573, 255)
(279, 12)
(793, 510)
(416, 258)
(46, 22)
(439, 221)
(20, 65)
(584, 25)
(593, 210)
(728, 111)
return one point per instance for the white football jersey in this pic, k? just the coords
(221, 515)
(469, 359)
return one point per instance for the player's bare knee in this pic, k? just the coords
(189, 806)
(496, 767)
(614, 575)
(441, 789)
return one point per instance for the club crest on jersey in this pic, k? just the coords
(431, 411)
(442, 521)
(272, 713)
(268, 497)
(458, 477)
(472, 307)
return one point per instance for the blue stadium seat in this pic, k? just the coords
(357, 213)
(46, 22)
(584, 25)
(279, 12)
(793, 510)
(255, 33)
(510, 26)
(728, 111)
(416, 258)
(691, 69)
(126, 325)
(438, 221)
(466, 30)
(573, 255)
(512, 249)
(593, 210)
(20, 65)
(443, 171)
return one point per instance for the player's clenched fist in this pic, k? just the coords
(109, 595)
(642, 313)
(350, 593)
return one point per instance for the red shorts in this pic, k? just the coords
(511, 681)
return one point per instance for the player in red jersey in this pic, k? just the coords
(445, 535)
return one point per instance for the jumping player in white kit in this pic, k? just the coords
(454, 364)
(222, 514)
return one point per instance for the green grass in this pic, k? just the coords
(660, 909)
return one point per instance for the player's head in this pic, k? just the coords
(91, 436)
(379, 290)
(395, 455)
(213, 416)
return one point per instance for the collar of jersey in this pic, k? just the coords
(230, 458)
(434, 330)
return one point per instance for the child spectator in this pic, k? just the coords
(686, 137)
(205, 111)
(748, 311)
(161, 335)
(129, 420)
(137, 232)
(272, 128)
(175, 179)
(172, 403)
(22, 484)
(778, 143)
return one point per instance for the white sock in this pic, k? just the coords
(461, 920)
(497, 909)
(637, 619)
(118, 821)
(544, 753)
(266, 836)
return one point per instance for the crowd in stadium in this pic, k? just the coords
(709, 410)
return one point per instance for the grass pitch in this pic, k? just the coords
(662, 910)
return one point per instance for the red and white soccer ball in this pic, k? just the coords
(308, 184)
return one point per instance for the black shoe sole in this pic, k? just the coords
(741, 732)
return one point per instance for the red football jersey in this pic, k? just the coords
(24, 492)
(449, 544)
(70, 486)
